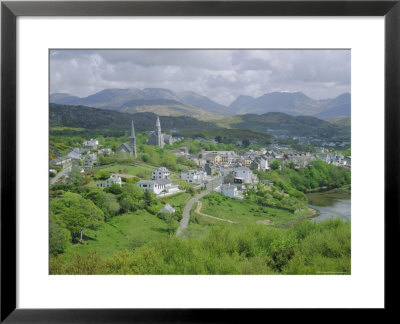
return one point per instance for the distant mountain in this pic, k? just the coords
(194, 99)
(167, 103)
(337, 107)
(282, 124)
(296, 103)
(157, 100)
(63, 98)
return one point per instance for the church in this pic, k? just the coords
(159, 139)
(131, 146)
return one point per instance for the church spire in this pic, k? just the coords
(133, 130)
(132, 140)
(158, 122)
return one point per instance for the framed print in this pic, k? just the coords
(213, 150)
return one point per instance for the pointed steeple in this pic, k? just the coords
(158, 122)
(132, 141)
(133, 130)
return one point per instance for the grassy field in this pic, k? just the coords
(178, 199)
(141, 171)
(126, 231)
(242, 211)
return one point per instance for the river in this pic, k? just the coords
(331, 204)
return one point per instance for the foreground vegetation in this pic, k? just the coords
(306, 248)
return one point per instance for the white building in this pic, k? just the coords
(105, 151)
(111, 180)
(90, 159)
(193, 176)
(160, 173)
(75, 155)
(91, 144)
(61, 160)
(245, 173)
(158, 186)
(229, 190)
(264, 165)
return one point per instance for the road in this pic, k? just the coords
(60, 174)
(186, 211)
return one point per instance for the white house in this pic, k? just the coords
(264, 165)
(91, 144)
(160, 173)
(61, 160)
(229, 190)
(105, 151)
(158, 186)
(75, 155)
(193, 176)
(111, 180)
(90, 159)
(245, 173)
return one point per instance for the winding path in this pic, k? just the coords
(198, 208)
(186, 211)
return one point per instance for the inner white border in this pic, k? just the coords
(364, 288)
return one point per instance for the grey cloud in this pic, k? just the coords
(221, 75)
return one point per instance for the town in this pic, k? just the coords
(236, 171)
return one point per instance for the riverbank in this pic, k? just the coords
(330, 204)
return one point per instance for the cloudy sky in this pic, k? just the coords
(221, 75)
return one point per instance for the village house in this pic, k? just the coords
(219, 157)
(91, 144)
(193, 176)
(106, 151)
(160, 173)
(229, 190)
(90, 159)
(75, 155)
(158, 186)
(245, 173)
(110, 181)
(63, 160)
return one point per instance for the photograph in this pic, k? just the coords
(199, 161)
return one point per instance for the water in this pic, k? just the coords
(331, 204)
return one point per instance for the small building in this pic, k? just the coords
(167, 209)
(160, 173)
(229, 190)
(91, 144)
(157, 186)
(193, 176)
(110, 181)
(106, 151)
(245, 173)
(75, 155)
(90, 159)
(63, 160)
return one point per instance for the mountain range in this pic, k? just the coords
(165, 102)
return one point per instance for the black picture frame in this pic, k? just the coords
(11, 10)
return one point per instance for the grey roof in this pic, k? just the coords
(126, 147)
(162, 181)
(161, 169)
(167, 209)
(158, 181)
